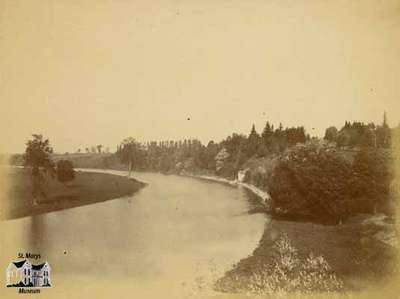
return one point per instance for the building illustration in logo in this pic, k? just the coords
(25, 274)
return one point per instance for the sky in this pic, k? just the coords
(84, 73)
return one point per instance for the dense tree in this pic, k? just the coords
(267, 133)
(37, 152)
(317, 183)
(358, 134)
(65, 171)
(99, 147)
(370, 183)
(368, 138)
(221, 158)
(129, 153)
(331, 134)
(237, 147)
(210, 154)
(311, 183)
(253, 142)
(383, 134)
(295, 135)
(234, 144)
(37, 157)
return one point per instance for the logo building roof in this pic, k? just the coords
(19, 264)
(38, 267)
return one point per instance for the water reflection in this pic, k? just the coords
(36, 234)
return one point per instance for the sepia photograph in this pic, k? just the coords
(194, 149)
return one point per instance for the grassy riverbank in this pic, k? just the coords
(86, 188)
(360, 253)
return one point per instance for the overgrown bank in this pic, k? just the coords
(309, 257)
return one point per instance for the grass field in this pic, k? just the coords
(86, 188)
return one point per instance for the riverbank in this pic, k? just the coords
(86, 188)
(261, 194)
(361, 253)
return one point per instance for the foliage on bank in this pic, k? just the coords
(285, 273)
(326, 180)
(319, 184)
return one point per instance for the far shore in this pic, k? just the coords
(262, 195)
(87, 188)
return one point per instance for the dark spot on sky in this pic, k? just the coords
(65, 252)
(188, 118)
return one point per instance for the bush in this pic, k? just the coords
(65, 171)
(372, 176)
(311, 183)
(288, 273)
(319, 184)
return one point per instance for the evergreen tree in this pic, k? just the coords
(253, 142)
(383, 134)
(267, 134)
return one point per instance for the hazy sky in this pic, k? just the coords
(89, 72)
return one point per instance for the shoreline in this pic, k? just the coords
(87, 188)
(261, 194)
(356, 252)
(360, 249)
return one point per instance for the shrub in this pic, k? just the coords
(319, 184)
(311, 183)
(65, 171)
(288, 273)
(372, 176)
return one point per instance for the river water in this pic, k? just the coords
(172, 239)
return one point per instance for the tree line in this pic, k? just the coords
(358, 134)
(347, 172)
(225, 157)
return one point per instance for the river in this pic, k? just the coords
(172, 239)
